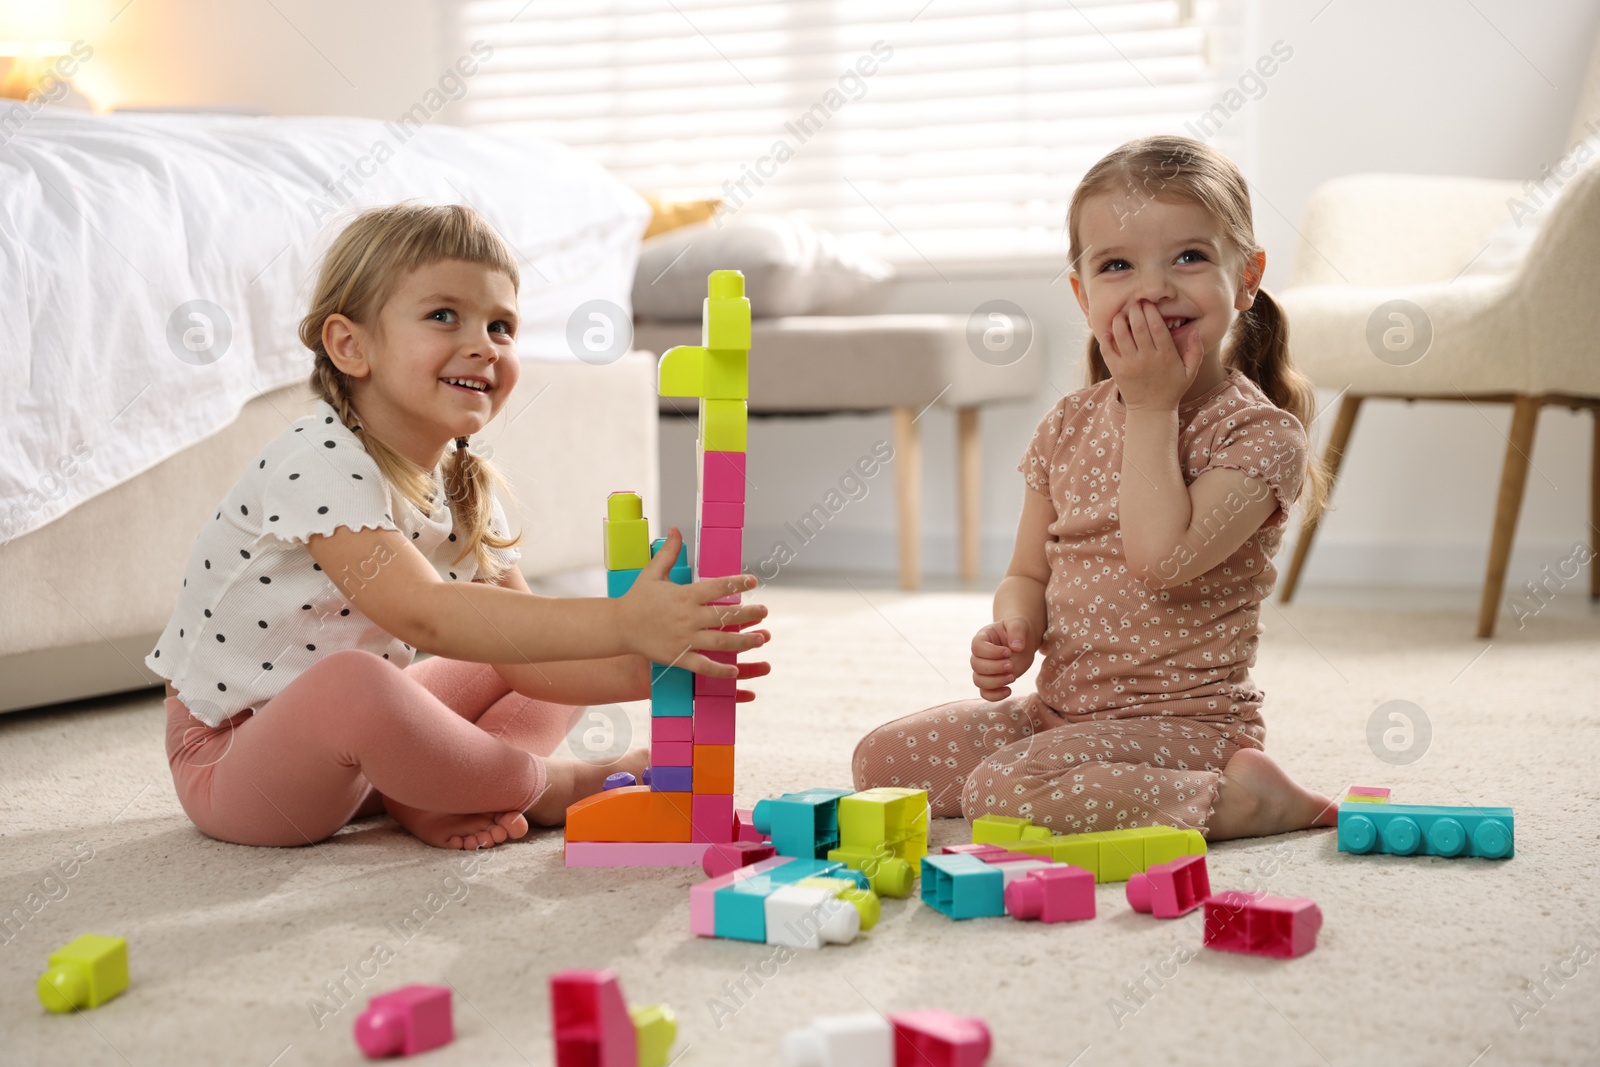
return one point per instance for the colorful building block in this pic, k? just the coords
(745, 819)
(740, 905)
(672, 780)
(722, 476)
(627, 533)
(713, 771)
(719, 859)
(1412, 829)
(619, 582)
(84, 973)
(655, 1027)
(703, 897)
(939, 1039)
(1057, 892)
(725, 315)
(1259, 925)
(1113, 855)
(406, 1021)
(671, 753)
(634, 813)
(714, 719)
(884, 834)
(804, 823)
(721, 551)
(671, 692)
(634, 853)
(1170, 889)
(962, 887)
(619, 780)
(724, 425)
(806, 916)
(590, 1021)
(721, 513)
(865, 901)
(865, 1039)
(712, 817)
(673, 728)
(1368, 794)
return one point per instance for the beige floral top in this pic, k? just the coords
(1113, 647)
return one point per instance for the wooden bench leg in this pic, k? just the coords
(908, 492)
(1513, 479)
(1332, 457)
(969, 463)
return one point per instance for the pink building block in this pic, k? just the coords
(722, 477)
(590, 1021)
(720, 859)
(1380, 791)
(634, 853)
(671, 728)
(406, 1021)
(745, 820)
(1054, 894)
(713, 719)
(939, 1039)
(1011, 857)
(715, 687)
(1170, 889)
(703, 897)
(729, 513)
(721, 551)
(1260, 925)
(711, 818)
(671, 753)
(980, 850)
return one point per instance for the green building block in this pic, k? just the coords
(724, 425)
(627, 533)
(84, 973)
(726, 312)
(1113, 855)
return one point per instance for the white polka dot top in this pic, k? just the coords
(255, 610)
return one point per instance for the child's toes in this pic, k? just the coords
(514, 823)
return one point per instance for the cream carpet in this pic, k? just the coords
(261, 956)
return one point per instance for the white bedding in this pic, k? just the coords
(108, 224)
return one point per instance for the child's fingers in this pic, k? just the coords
(732, 616)
(708, 589)
(753, 669)
(665, 557)
(729, 640)
(1016, 634)
(992, 695)
(993, 670)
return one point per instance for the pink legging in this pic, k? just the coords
(441, 735)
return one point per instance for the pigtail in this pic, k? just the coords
(470, 481)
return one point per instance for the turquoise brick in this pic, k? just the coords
(671, 692)
(805, 823)
(1420, 830)
(740, 909)
(619, 582)
(962, 887)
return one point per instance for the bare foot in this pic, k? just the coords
(568, 781)
(1256, 797)
(445, 830)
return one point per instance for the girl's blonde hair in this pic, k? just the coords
(1183, 170)
(360, 272)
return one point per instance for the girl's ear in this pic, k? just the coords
(1250, 275)
(346, 346)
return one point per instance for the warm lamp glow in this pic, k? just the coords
(34, 37)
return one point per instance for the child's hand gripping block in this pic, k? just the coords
(406, 1021)
(84, 973)
(590, 1021)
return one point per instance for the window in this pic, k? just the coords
(920, 131)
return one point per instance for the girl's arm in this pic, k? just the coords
(1003, 650)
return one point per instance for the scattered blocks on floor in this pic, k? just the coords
(1113, 855)
(865, 1039)
(1368, 794)
(655, 1027)
(1259, 925)
(1055, 893)
(962, 887)
(746, 821)
(939, 1039)
(593, 1027)
(804, 823)
(1171, 889)
(1413, 829)
(406, 1021)
(807, 916)
(884, 833)
(84, 973)
(720, 859)
(740, 905)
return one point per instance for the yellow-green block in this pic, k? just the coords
(1121, 855)
(1356, 798)
(892, 816)
(1165, 843)
(682, 372)
(1071, 848)
(726, 312)
(997, 829)
(722, 425)
(889, 875)
(84, 973)
(656, 1026)
(727, 374)
(1036, 833)
(865, 901)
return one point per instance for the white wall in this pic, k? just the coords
(1432, 86)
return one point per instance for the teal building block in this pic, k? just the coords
(671, 692)
(805, 823)
(803, 867)
(1421, 830)
(740, 909)
(963, 886)
(619, 582)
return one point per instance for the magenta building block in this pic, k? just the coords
(722, 858)
(711, 818)
(714, 719)
(672, 728)
(981, 850)
(590, 1021)
(1259, 925)
(634, 853)
(745, 820)
(728, 513)
(406, 1021)
(722, 477)
(721, 551)
(939, 1039)
(1170, 889)
(715, 687)
(671, 753)
(1054, 894)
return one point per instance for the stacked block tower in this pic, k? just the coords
(688, 805)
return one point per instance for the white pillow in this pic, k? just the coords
(790, 267)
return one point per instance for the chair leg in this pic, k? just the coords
(1332, 457)
(1594, 507)
(969, 461)
(1513, 479)
(908, 491)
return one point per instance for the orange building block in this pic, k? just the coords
(713, 769)
(633, 813)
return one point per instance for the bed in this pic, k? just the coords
(153, 268)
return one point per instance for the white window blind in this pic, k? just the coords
(938, 131)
